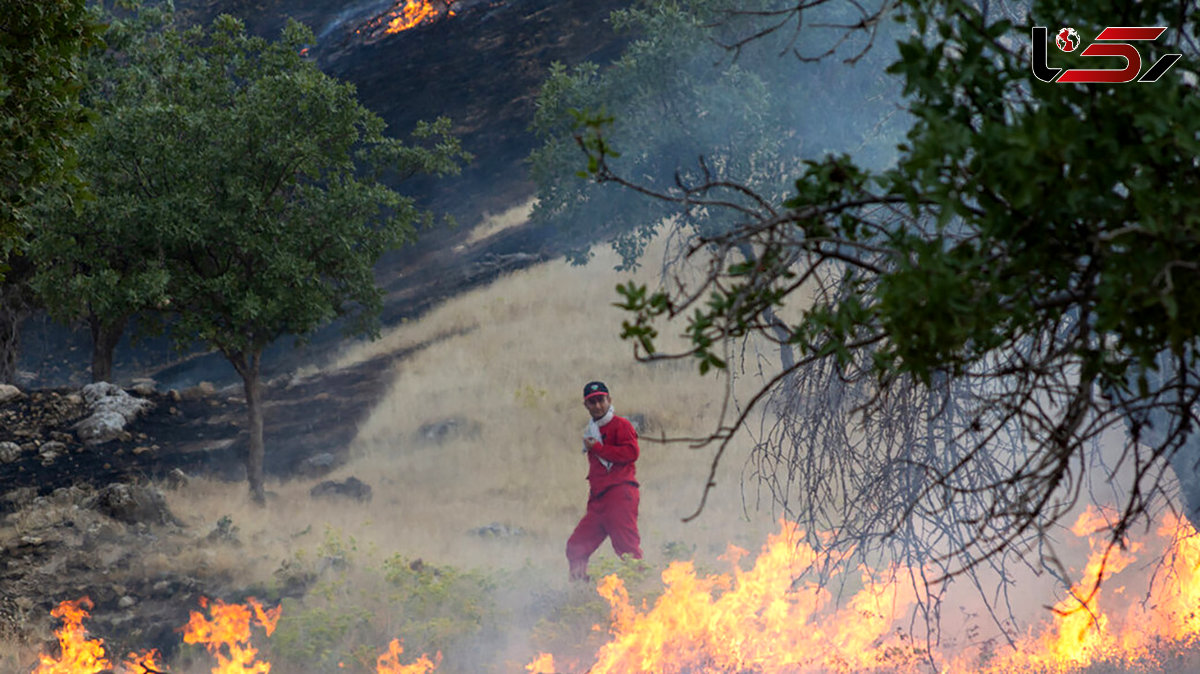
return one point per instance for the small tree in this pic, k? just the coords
(258, 182)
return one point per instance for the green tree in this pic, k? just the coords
(40, 115)
(972, 319)
(259, 182)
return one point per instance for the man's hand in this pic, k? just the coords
(591, 442)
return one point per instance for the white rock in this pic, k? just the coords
(51, 451)
(100, 427)
(9, 452)
(9, 392)
(93, 392)
(112, 408)
(114, 399)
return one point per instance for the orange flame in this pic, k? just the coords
(389, 663)
(227, 634)
(80, 655)
(542, 664)
(759, 620)
(766, 620)
(1082, 633)
(144, 663)
(411, 14)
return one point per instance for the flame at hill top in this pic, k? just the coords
(403, 15)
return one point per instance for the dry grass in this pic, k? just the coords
(511, 372)
(514, 375)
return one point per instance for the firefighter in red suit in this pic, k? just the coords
(612, 510)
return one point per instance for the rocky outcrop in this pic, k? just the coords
(438, 432)
(498, 531)
(111, 410)
(133, 504)
(317, 465)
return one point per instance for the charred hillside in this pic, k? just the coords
(479, 62)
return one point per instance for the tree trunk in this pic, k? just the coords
(247, 365)
(105, 335)
(787, 358)
(13, 310)
(16, 303)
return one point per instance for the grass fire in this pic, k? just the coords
(404, 586)
(767, 619)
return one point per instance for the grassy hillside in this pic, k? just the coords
(507, 363)
(504, 366)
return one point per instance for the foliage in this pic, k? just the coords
(100, 260)
(685, 110)
(299, 215)
(40, 115)
(479, 620)
(972, 319)
(357, 607)
(316, 636)
(261, 176)
(443, 607)
(530, 397)
(238, 186)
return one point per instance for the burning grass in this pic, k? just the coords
(388, 586)
(764, 617)
(772, 618)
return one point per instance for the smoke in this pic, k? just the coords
(690, 103)
(353, 15)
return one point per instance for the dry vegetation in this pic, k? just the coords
(506, 364)
(510, 373)
(492, 224)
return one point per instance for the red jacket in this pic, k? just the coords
(619, 446)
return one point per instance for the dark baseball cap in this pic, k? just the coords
(594, 388)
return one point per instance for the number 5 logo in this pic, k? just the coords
(1116, 35)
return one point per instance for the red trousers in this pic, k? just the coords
(614, 514)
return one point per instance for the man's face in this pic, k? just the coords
(597, 405)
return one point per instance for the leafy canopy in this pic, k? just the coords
(40, 115)
(1019, 200)
(236, 184)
